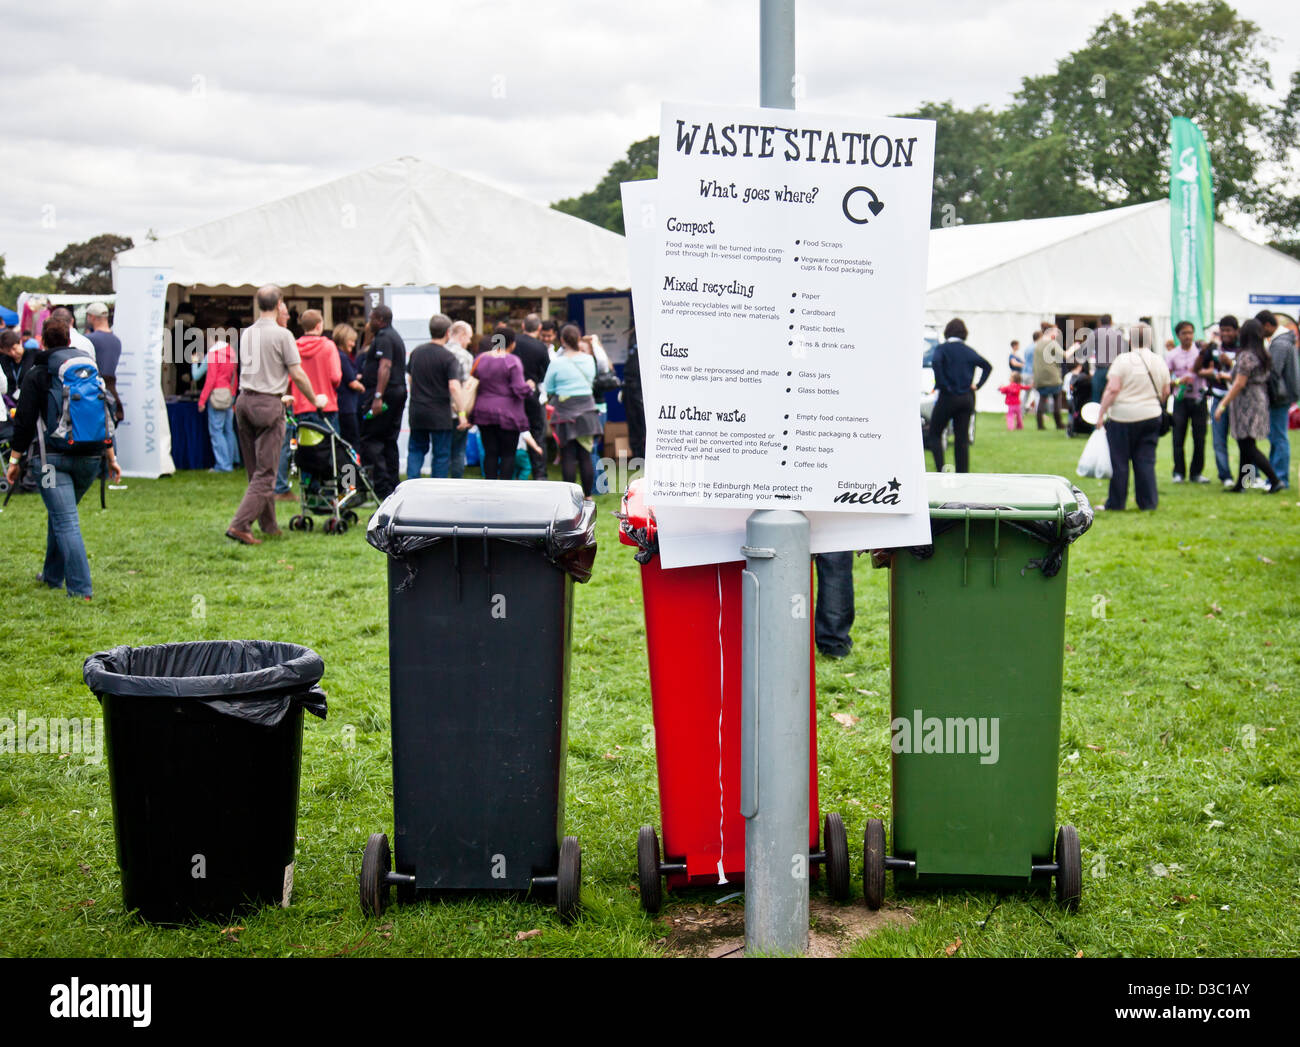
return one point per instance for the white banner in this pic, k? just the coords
(139, 316)
(789, 283)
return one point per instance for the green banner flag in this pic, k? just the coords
(1191, 215)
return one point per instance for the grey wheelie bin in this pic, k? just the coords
(480, 609)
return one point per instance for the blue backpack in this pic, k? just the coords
(78, 414)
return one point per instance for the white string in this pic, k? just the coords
(722, 693)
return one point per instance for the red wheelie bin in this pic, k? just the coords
(692, 625)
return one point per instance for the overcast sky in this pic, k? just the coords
(131, 116)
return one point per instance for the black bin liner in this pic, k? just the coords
(204, 744)
(553, 518)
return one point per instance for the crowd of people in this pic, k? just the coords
(519, 390)
(1241, 380)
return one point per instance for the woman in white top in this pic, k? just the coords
(1137, 387)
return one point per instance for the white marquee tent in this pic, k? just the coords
(403, 222)
(1003, 278)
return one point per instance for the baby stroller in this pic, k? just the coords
(330, 477)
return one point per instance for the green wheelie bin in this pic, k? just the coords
(977, 638)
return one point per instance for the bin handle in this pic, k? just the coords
(749, 709)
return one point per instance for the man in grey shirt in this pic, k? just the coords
(1103, 347)
(458, 342)
(1286, 366)
(268, 359)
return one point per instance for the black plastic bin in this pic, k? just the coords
(204, 749)
(480, 609)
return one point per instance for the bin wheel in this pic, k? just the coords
(1069, 868)
(836, 842)
(351, 517)
(375, 866)
(569, 879)
(296, 524)
(647, 867)
(873, 863)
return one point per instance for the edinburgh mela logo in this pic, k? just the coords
(869, 494)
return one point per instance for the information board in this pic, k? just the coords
(788, 287)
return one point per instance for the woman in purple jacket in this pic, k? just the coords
(499, 404)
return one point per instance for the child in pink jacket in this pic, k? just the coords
(1015, 410)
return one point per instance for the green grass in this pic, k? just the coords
(1197, 650)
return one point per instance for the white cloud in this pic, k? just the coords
(135, 115)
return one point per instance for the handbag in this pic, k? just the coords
(1166, 419)
(605, 382)
(221, 398)
(469, 390)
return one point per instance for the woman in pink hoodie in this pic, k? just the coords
(220, 385)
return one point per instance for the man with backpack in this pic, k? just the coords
(65, 412)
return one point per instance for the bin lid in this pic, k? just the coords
(1044, 496)
(501, 508)
(553, 517)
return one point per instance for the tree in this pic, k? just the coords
(87, 268)
(968, 164)
(1100, 122)
(12, 286)
(604, 205)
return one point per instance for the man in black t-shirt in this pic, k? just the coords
(384, 378)
(435, 390)
(531, 352)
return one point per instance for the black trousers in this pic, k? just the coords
(379, 444)
(1192, 411)
(956, 408)
(575, 461)
(1133, 442)
(634, 404)
(499, 447)
(537, 426)
(1253, 459)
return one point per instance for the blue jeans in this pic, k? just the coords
(65, 552)
(459, 440)
(834, 615)
(221, 428)
(418, 447)
(282, 473)
(1219, 431)
(1279, 446)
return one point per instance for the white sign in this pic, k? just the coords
(143, 442)
(609, 319)
(691, 536)
(789, 278)
(413, 308)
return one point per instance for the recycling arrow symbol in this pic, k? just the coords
(875, 205)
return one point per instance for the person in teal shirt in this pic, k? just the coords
(576, 421)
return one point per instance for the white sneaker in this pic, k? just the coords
(1200, 479)
(1178, 478)
(1260, 484)
(1229, 483)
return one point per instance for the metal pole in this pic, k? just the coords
(774, 650)
(774, 731)
(776, 54)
